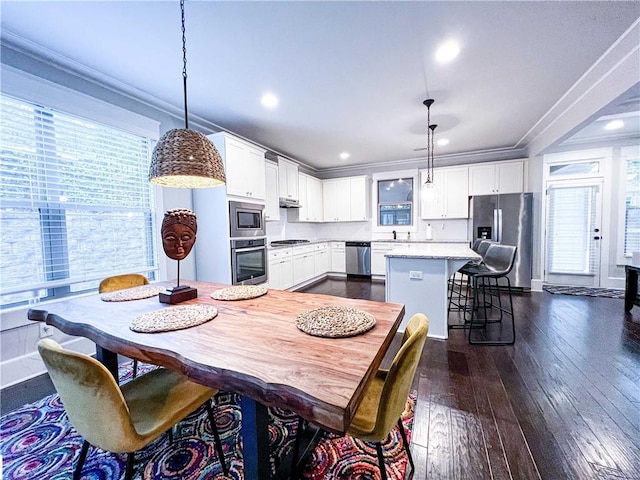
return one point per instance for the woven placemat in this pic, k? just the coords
(133, 293)
(335, 322)
(173, 318)
(239, 292)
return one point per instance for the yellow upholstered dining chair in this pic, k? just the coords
(122, 419)
(386, 395)
(120, 282)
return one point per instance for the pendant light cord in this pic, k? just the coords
(429, 145)
(184, 67)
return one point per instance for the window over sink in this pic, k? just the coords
(395, 202)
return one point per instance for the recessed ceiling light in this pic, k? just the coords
(614, 125)
(269, 100)
(443, 141)
(344, 155)
(447, 51)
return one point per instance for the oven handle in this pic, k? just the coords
(249, 249)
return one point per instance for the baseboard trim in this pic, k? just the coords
(536, 285)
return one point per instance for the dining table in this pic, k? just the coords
(252, 347)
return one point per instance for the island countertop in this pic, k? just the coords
(449, 251)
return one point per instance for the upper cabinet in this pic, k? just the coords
(310, 192)
(288, 179)
(345, 199)
(272, 205)
(244, 166)
(499, 177)
(451, 198)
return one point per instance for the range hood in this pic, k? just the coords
(289, 203)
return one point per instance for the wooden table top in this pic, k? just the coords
(252, 347)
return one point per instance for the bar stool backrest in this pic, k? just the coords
(500, 258)
(476, 244)
(483, 247)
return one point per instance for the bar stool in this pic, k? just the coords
(459, 285)
(486, 289)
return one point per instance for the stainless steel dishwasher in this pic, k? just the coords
(358, 258)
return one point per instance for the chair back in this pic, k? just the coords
(400, 377)
(483, 246)
(500, 258)
(476, 244)
(120, 282)
(92, 399)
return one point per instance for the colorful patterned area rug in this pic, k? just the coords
(585, 291)
(38, 442)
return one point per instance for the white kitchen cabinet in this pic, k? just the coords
(288, 179)
(378, 260)
(321, 259)
(494, 178)
(451, 199)
(338, 257)
(378, 249)
(345, 199)
(244, 166)
(359, 198)
(280, 269)
(272, 206)
(310, 193)
(303, 264)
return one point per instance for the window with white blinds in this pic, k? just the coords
(632, 207)
(75, 203)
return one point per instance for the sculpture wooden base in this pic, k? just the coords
(178, 294)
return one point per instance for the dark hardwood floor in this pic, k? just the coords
(562, 403)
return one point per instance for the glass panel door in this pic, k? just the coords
(573, 233)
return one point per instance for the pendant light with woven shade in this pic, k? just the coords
(184, 158)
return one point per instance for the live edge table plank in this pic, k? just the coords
(253, 348)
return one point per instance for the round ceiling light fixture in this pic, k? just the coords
(614, 125)
(344, 155)
(269, 100)
(447, 51)
(443, 142)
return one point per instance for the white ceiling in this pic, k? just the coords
(350, 76)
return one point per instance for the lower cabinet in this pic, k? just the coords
(378, 251)
(303, 264)
(321, 258)
(338, 257)
(280, 269)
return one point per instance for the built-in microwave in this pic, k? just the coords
(246, 220)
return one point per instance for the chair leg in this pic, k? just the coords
(216, 437)
(129, 468)
(83, 456)
(135, 368)
(383, 469)
(170, 432)
(405, 443)
(296, 450)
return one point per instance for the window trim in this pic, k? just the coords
(626, 153)
(388, 176)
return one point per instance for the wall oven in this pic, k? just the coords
(246, 220)
(248, 261)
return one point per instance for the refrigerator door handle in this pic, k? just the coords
(500, 225)
(495, 225)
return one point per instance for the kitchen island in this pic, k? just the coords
(417, 275)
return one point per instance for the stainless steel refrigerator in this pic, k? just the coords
(506, 219)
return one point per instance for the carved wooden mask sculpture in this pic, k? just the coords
(179, 228)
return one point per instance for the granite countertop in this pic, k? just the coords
(417, 242)
(435, 250)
